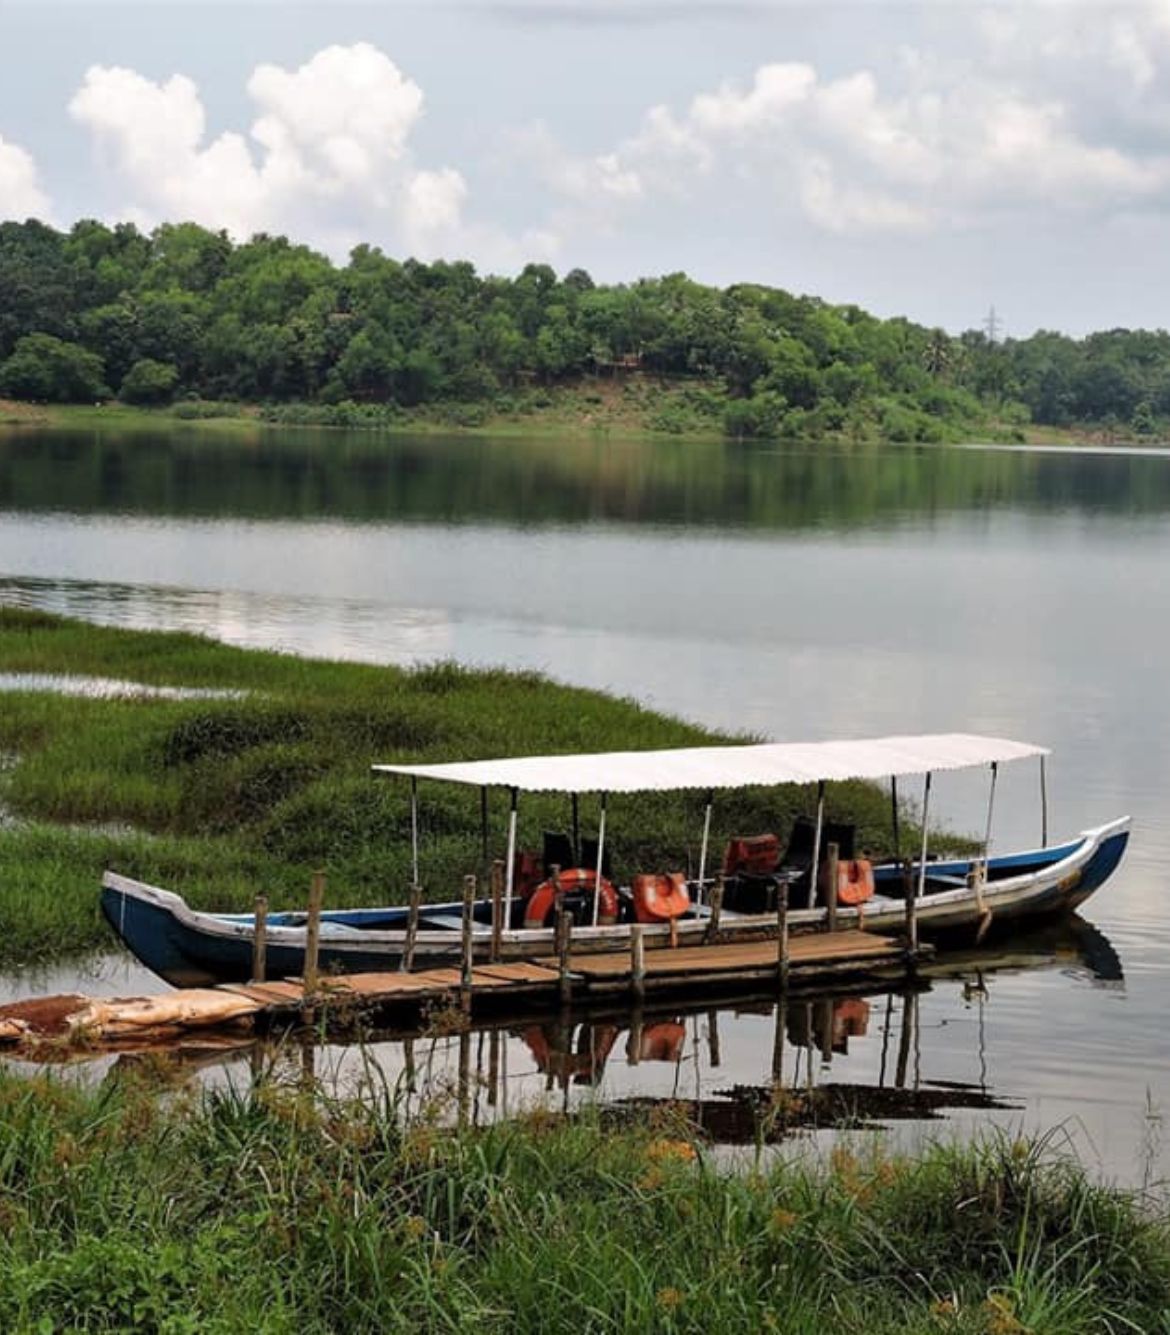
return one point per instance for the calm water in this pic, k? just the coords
(796, 593)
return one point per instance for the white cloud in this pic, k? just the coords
(20, 193)
(957, 145)
(328, 156)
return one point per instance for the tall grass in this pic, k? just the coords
(272, 1210)
(220, 798)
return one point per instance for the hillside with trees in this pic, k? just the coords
(184, 314)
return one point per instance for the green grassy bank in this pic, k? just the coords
(218, 798)
(642, 407)
(272, 1211)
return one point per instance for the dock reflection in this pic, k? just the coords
(749, 1071)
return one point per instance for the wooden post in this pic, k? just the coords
(637, 961)
(465, 974)
(778, 1043)
(497, 907)
(313, 935)
(831, 862)
(634, 1042)
(564, 937)
(782, 934)
(712, 932)
(411, 928)
(493, 1093)
(713, 1055)
(260, 939)
(911, 915)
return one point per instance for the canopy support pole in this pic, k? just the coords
(920, 889)
(600, 857)
(990, 809)
(815, 870)
(510, 869)
(414, 832)
(483, 824)
(704, 846)
(1043, 804)
(576, 830)
(894, 813)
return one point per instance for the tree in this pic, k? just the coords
(50, 370)
(149, 382)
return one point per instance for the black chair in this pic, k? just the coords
(589, 857)
(798, 856)
(558, 851)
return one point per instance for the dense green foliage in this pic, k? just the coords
(48, 369)
(274, 1210)
(217, 798)
(185, 311)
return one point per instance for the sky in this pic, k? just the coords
(930, 160)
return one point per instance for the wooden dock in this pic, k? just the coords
(805, 962)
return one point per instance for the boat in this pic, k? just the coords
(922, 894)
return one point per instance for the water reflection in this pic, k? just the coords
(744, 1071)
(535, 481)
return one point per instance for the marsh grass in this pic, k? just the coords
(276, 1209)
(220, 798)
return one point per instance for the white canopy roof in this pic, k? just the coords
(709, 767)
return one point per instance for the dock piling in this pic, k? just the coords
(832, 861)
(564, 938)
(260, 939)
(313, 935)
(637, 961)
(782, 934)
(712, 933)
(411, 928)
(497, 907)
(465, 976)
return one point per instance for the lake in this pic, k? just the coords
(792, 592)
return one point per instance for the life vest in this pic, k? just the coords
(539, 909)
(854, 881)
(756, 854)
(662, 1042)
(660, 898)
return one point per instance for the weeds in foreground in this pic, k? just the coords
(276, 1208)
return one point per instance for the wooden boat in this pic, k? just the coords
(931, 896)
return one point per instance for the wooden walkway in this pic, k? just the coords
(813, 960)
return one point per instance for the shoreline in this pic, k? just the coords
(563, 418)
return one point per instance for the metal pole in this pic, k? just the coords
(576, 831)
(814, 871)
(1043, 804)
(920, 890)
(483, 825)
(703, 848)
(260, 939)
(600, 858)
(990, 809)
(414, 832)
(510, 867)
(894, 810)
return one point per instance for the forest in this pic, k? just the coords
(183, 315)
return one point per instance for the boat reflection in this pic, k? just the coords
(756, 1070)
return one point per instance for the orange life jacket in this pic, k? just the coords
(660, 898)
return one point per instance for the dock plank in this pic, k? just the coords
(729, 957)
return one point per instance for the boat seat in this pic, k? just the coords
(951, 882)
(453, 922)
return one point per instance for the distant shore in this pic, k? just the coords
(566, 411)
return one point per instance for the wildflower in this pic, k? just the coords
(783, 1220)
(670, 1299)
(415, 1227)
(1000, 1315)
(662, 1151)
(651, 1180)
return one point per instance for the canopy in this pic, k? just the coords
(710, 767)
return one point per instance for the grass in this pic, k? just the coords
(272, 1210)
(220, 798)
